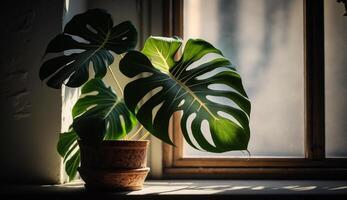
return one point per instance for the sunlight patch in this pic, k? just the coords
(181, 103)
(143, 75)
(91, 29)
(87, 109)
(148, 96)
(75, 148)
(122, 122)
(229, 117)
(71, 51)
(206, 132)
(221, 87)
(205, 59)
(155, 111)
(212, 73)
(92, 93)
(189, 122)
(223, 101)
(79, 39)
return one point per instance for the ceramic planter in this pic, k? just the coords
(114, 165)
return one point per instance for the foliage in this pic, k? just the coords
(98, 115)
(100, 38)
(186, 85)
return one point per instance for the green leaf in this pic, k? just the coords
(65, 142)
(161, 52)
(72, 164)
(98, 104)
(187, 87)
(99, 101)
(100, 37)
(68, 149)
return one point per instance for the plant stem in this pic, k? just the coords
(144, 136)
(122, 93)
(120, 89)
(115, 79)
(137, 132)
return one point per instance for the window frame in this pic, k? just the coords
(314, 164)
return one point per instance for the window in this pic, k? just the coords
(279, 46)
(335, 80)
(264, 40)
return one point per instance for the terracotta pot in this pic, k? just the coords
(114, 165)
(114, 180)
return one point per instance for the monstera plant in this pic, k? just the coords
(90, 39)
(100, 114)
(162, 80)
(187, 85)
(99, 38)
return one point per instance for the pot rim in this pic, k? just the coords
(120, 143)
(115, 170)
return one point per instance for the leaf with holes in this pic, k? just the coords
(200, 85)
(100, 103)
(93, 33)
(68, 149)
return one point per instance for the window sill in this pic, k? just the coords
(194, 189)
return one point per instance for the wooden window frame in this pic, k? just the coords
(313, 165)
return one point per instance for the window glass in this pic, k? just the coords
(335, 31)
(264, 40)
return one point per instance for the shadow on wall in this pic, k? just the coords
(30, 113)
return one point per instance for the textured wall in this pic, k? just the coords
(30, 112)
